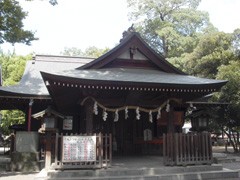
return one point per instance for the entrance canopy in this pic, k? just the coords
(129, 74)
(135, 77)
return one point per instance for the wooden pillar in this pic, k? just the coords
(30, 114)
(89, 115)
(48, 150)
(170, 121)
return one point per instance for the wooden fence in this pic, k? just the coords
(186, 149)
(66, 159)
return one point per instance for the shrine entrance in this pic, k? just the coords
(134, 136)
(123, 136)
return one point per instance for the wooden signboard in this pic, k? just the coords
(68, 123)
(178, 118)
(78, 148)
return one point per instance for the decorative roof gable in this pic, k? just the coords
(132, 52)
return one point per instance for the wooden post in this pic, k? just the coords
(170, 121)
(48, 150)
(30, 114)
(89, 115)
(56, 148)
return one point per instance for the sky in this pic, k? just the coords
(99, 23)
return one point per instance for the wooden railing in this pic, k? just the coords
(186, 149)
(103, 154)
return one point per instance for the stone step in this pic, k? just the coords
(217, 175)
(224, 160)
(5, 163)
(133, 172)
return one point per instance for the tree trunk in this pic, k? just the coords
(232, 141)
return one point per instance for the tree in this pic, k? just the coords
(52, 2)
(72, 52)
(9, 118)
(213, 50)
(236, 42)
(216, 56)
(11, 24)
(169, 26)
(189, 41)
(230, 118)
(12, 70)
(91, 51)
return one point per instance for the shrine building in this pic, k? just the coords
(132, 96)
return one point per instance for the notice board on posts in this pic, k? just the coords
(78, 148)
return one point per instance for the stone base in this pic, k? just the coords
(5, 163)
(25, 162)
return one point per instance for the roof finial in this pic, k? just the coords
(131, 29)
(128, 32)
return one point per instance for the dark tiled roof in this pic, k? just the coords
(32, 83)
(136, 76)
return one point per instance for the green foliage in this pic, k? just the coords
(72, 52)
(52, 2)
(169, 26)
(229, 117)
(10, 118)
(11, 23)
(236, 42)
(12, 70)
(231, 91)
(213, 50)
(91, 51)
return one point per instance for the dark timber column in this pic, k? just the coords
(88, 107)
(170, 122)
(30, 114)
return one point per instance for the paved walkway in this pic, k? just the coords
(17, 176)
(138, 162)
(221, 151)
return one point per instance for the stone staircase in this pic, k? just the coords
(220, 158)
(4, 163)
(162, 173)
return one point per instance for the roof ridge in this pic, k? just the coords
(59, 58)
(62, 56)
